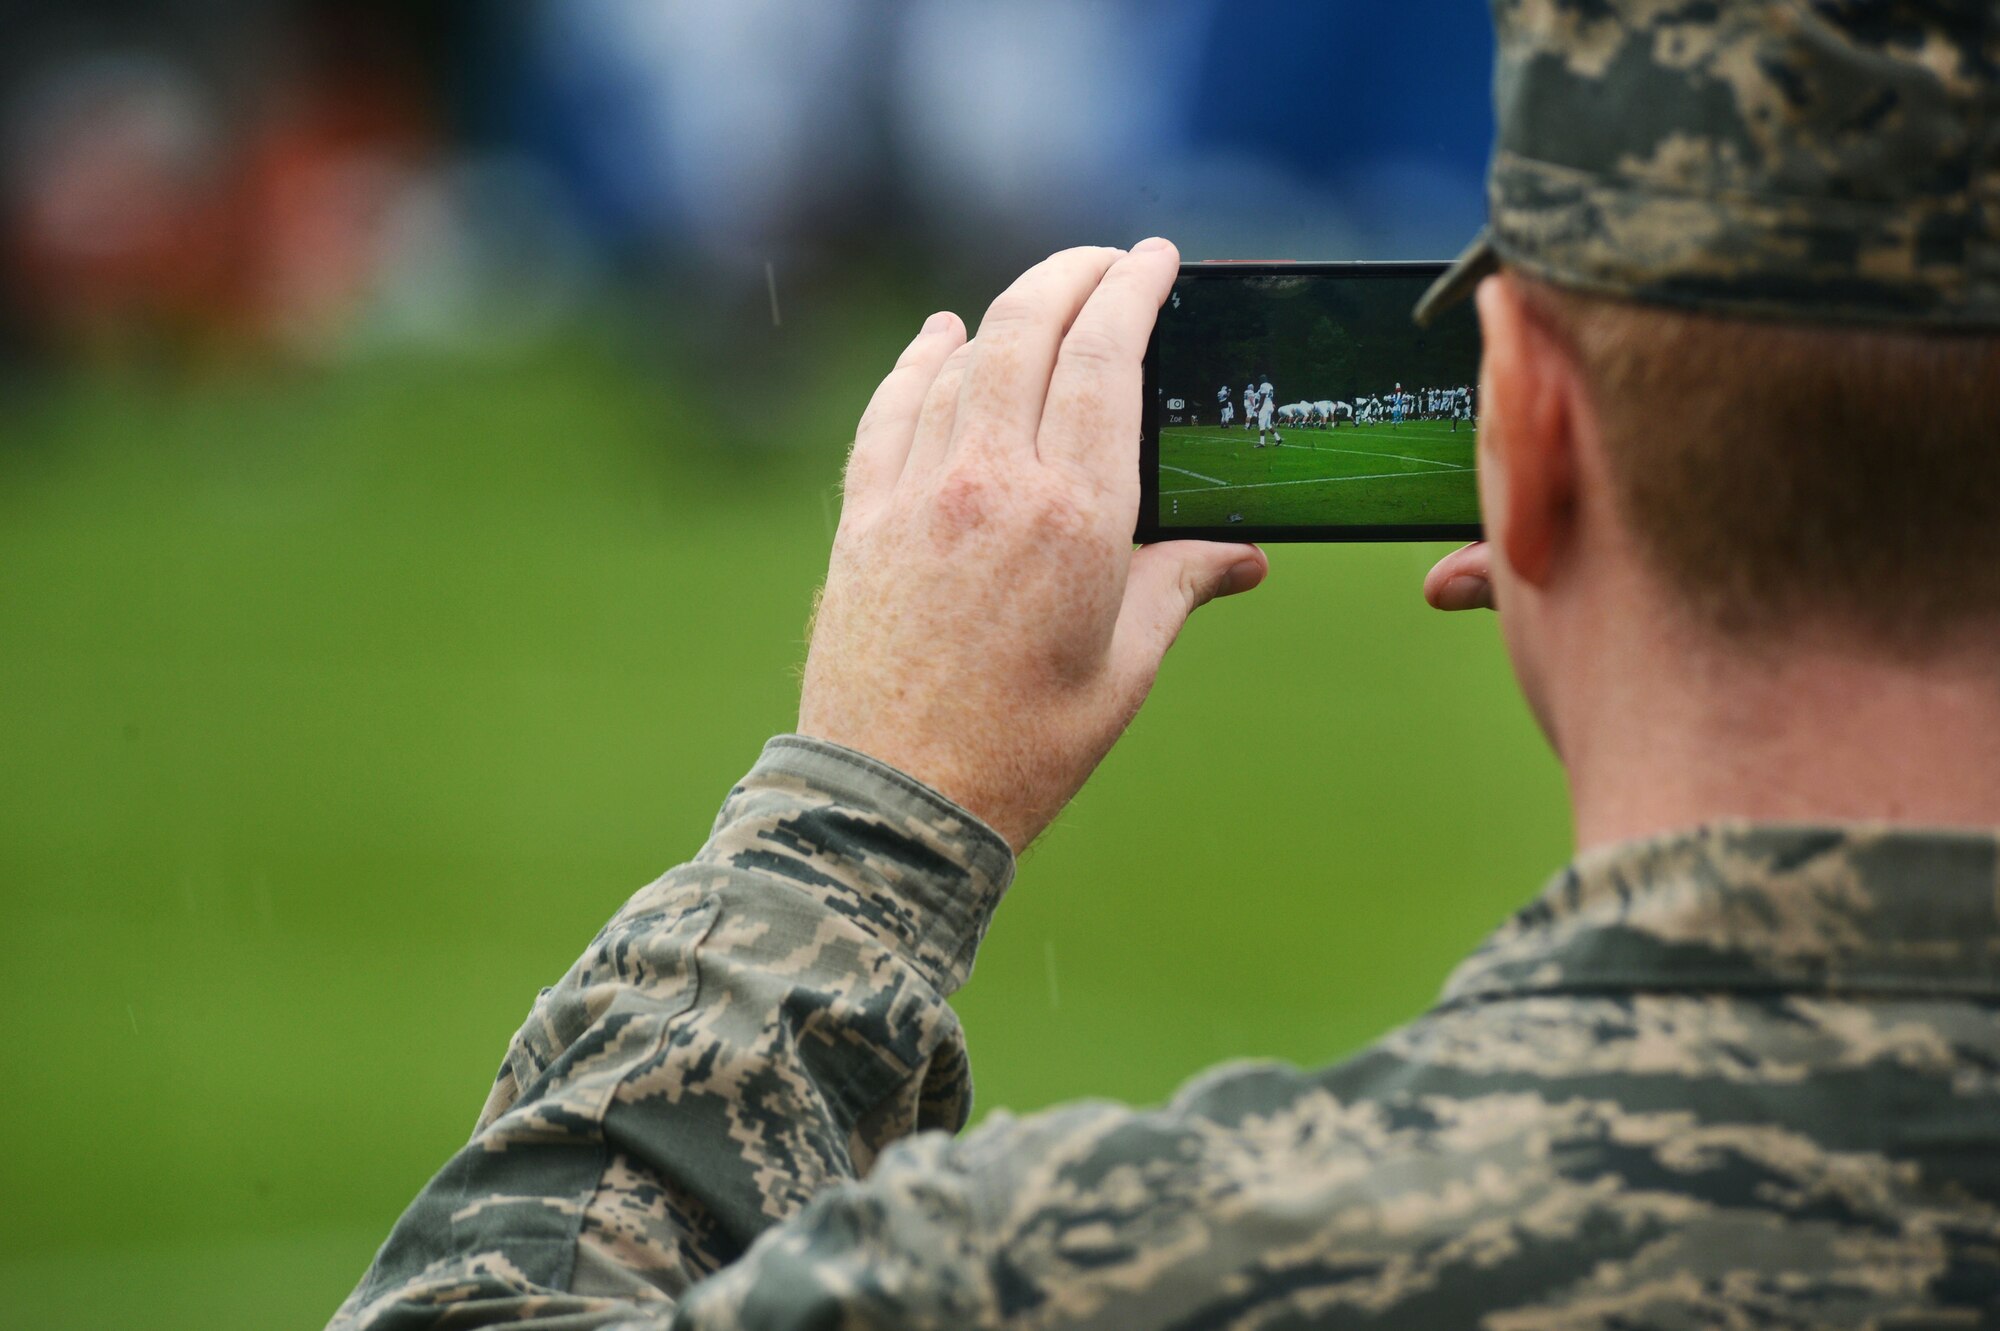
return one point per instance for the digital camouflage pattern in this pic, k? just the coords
(1743, 1077)
(1822, 160)
(747, 1032)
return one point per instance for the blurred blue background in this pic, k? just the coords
(420, 427)
(322, 182)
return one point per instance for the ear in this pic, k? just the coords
(1528, 395)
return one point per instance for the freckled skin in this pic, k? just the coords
(996, 684)
(986, 625)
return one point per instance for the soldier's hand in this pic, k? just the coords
(1462, 580)
(986, 625)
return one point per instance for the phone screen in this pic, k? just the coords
(1300, 402)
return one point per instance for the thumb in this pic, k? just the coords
(1169, 582)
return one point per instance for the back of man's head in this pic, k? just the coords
(1763, 231)
(1785, 474)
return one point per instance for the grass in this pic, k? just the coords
(339, 714)
(1417, 473)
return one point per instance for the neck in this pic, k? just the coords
(1671, 729)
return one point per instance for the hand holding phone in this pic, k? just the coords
(986, 625)
(1301, 402)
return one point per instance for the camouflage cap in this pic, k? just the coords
(1811, 160)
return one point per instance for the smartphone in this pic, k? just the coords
(1301, 402)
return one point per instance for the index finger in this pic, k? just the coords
(1093, 415)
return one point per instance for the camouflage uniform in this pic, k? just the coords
(1742, 1077)
(1739, 1077)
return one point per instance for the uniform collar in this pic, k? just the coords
(1758, 908)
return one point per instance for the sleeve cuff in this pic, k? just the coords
(904, 860)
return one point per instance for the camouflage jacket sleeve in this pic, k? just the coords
(747, 1032)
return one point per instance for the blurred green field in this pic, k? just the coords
(1417, 474)
(338, 713)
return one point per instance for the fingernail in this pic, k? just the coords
(1149, 246)
(1243, 575)
(1466, 592)
(938, 322)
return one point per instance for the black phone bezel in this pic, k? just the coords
(1150, 529)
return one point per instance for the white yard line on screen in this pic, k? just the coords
(1211, 438)
(1197, 475)
(1357, 452)
(1311, 480)
(1400, 457)
(1440, 434)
